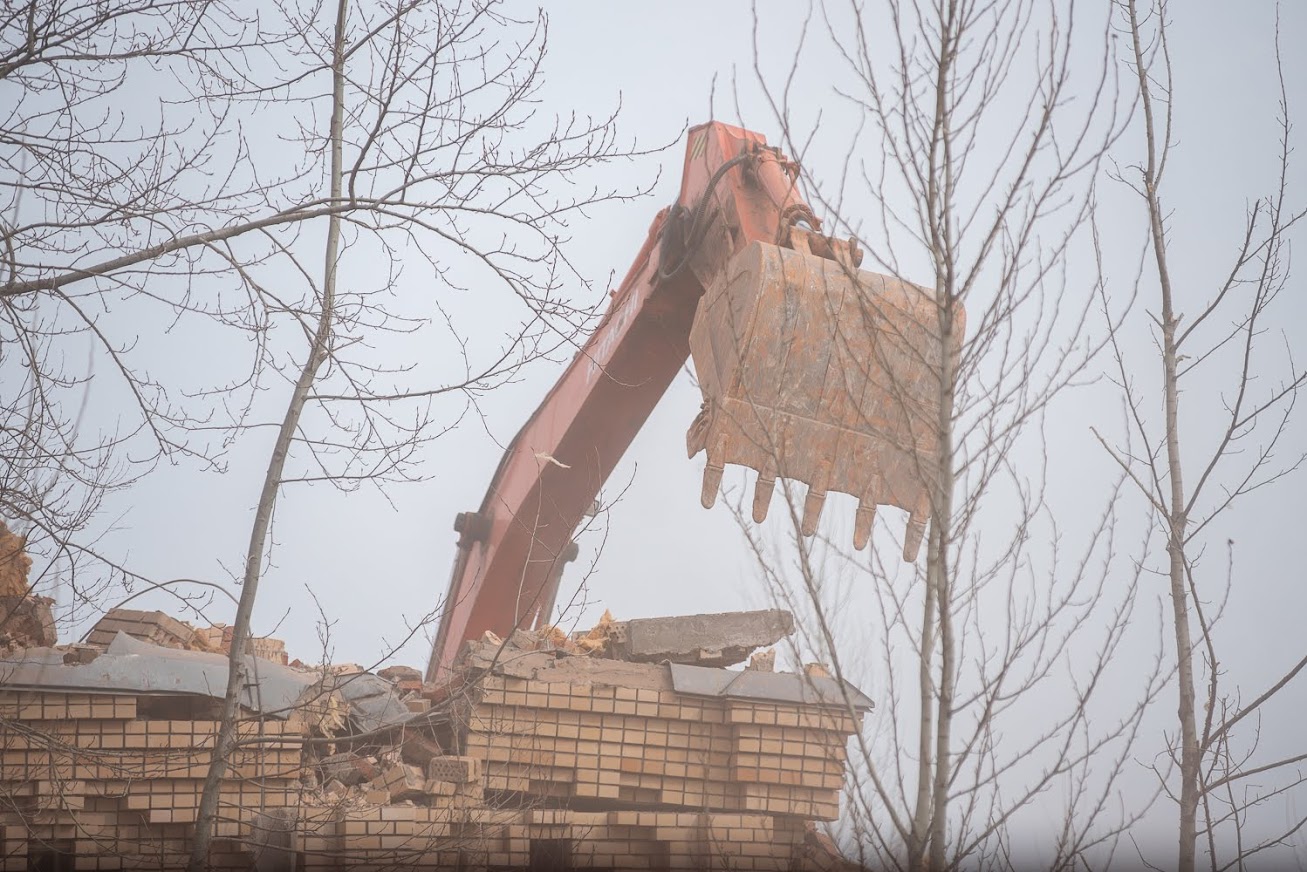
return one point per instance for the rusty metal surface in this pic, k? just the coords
(819, 372)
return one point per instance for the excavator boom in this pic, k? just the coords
(811, 370)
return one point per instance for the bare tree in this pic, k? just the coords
(97, 197)
(1191, 477)
(162, 171)
(995, 661)
(404, 118)
(258, 184)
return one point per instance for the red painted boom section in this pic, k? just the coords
(512, 550)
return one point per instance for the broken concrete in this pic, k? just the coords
(701, 640)
(547, 666)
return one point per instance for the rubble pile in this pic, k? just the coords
(168, 632)
(153, 627)
(610, 749)
(654, 736)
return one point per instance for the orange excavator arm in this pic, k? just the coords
(738, 205)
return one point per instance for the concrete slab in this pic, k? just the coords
(703, 640)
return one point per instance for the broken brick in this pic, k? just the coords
(418, 749)
(153, 627)
(405, 678)
(401, 781)
(349, 769)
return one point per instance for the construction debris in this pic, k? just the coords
(405, 678)
(763, 661)
(705, 640)
(543, 750)
(218, 638)
(26, 620)
(597, 639)
(153, 627)
(168, 632)
(348, 769)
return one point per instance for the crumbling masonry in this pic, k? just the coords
(546, 751)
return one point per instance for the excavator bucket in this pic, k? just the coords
(815, 371)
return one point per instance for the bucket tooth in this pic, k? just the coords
(912, 539)
(762, 493)
(862, 521)
(812, 507)
(712, 482)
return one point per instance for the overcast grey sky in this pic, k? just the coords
(375, 564)
(370, 564)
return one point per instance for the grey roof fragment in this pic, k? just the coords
(131, 665)
(767, 686)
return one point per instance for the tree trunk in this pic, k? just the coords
(1177, 522)
(939, 202)
(939, 576)
(917, 840)
(207, 813)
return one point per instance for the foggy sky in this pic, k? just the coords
(371, 562)
(374, 567)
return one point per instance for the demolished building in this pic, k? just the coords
(628, 747)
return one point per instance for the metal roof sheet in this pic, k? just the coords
(784, 687)
(131, 665)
